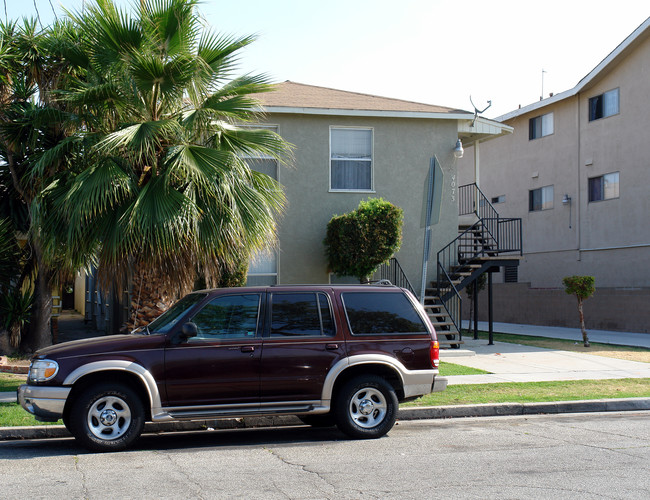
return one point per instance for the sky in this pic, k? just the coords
(432, 51)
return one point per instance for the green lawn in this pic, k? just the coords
(10, 382)
(13, 415)
(449, 369)
(537, 392)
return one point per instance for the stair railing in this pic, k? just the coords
(491, 235)
(471, 200)
(393, 272)
(450, 298)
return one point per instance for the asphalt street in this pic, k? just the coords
(586, 456)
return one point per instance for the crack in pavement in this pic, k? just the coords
(84, 486)
(333, 491)
(178, 467)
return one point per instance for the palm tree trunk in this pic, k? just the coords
(39, 333)
(150, 297)
(585, 339)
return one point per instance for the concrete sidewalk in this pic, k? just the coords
(519, 363)
(558, 332)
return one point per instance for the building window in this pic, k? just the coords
(540, 126)
(499, 199)
(603, 105)
(604, 187)
(350, 159)
(540, 199)
(263, 267)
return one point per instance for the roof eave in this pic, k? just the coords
(611, 58)
(366, 113)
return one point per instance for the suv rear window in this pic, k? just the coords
(372, 313)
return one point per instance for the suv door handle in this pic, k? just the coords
(332, 347)
(248, 348)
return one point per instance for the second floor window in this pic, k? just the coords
(350, 159)
(540, 199)
(540, 126)
(604, 187)
(603, 105)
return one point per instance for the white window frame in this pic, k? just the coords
(372, 160)
(603, 180)
(547, 125)
(603, 95)
(276, 251)
(543, 189)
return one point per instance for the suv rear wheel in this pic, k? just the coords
(107, 417)
(366, 407)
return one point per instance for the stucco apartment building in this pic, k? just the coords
(351, 146)
(577, 171)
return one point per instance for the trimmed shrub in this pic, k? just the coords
(358, 242)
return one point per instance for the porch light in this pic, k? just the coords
(458, 150)
(566, 200)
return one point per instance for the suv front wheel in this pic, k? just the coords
(107, 417)
(366, 407)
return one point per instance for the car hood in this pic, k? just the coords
(99, 345)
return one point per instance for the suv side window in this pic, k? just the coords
(374, 313)
(301, 314)
(228, 317)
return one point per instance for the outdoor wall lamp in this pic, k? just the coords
(567, 201)
(458, 150)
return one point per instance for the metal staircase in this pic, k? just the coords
(485, 241)
(488, 241)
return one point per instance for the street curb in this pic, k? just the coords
(429, 412)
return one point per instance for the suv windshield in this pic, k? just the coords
(165, 322)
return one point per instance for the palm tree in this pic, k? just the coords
(164, 192)
(35, 148)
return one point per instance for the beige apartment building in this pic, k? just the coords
(350, 146)
(577, 171)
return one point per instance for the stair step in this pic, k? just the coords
(437, 324)
(449, 342)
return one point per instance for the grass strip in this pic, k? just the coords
(533, 392)
(13, 415)
(9, 382)
(449, 369)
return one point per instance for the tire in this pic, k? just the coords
(107, 417)
(324, 420)
(366, 407)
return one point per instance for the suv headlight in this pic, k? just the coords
(42, 369)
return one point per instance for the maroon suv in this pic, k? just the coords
(333, 355)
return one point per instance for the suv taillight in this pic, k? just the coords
(434, 353)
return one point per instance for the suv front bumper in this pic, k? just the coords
(45, 403)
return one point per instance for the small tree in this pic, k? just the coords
(358, 242)
(583, 288)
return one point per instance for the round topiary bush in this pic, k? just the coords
(358, 242)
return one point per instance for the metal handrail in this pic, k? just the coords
(393, 272)
(491, 235)
(451, 299)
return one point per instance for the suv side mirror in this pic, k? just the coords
(189, 330)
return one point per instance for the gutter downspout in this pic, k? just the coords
(578, 203)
